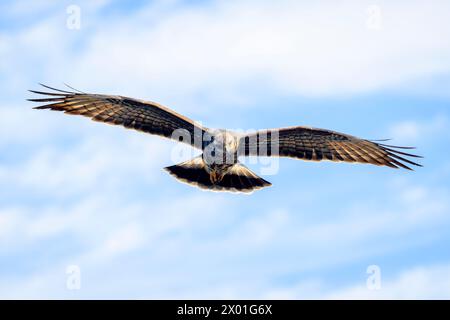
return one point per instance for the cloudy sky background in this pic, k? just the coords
(79, 193)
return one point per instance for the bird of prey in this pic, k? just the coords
(218, 168)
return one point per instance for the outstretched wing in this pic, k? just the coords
(149, 117)
(319, 144)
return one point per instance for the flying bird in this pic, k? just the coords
(218, 168)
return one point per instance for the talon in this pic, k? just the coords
(213, 177)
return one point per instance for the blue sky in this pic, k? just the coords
(79, 193)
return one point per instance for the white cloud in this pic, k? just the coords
(203, 231)
(297, 47)
(73, 175)
(287, 46)
(107, 230)
(25, 8)
(423, 282)
(413, 130)
(430, 282)
(88, 165)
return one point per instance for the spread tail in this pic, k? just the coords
(238, 179)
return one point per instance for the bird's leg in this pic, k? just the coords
(213, 176)
(216, 176)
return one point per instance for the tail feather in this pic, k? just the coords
(238, 179)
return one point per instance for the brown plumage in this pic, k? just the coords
(146, 116)
(214, 170)
(318, 144)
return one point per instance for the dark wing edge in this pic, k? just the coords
(313, 144)
(145, 116)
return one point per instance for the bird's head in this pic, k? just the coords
(225, 140)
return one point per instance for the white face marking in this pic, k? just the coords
(222, 152)
(225, 141)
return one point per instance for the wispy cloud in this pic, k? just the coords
(78, 192)
(269, 44)
(427, 282)
(413, 130)
(420, 282)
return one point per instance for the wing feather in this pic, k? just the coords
(146, 116)
(318, 144)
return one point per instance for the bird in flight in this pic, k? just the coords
(218, 168)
